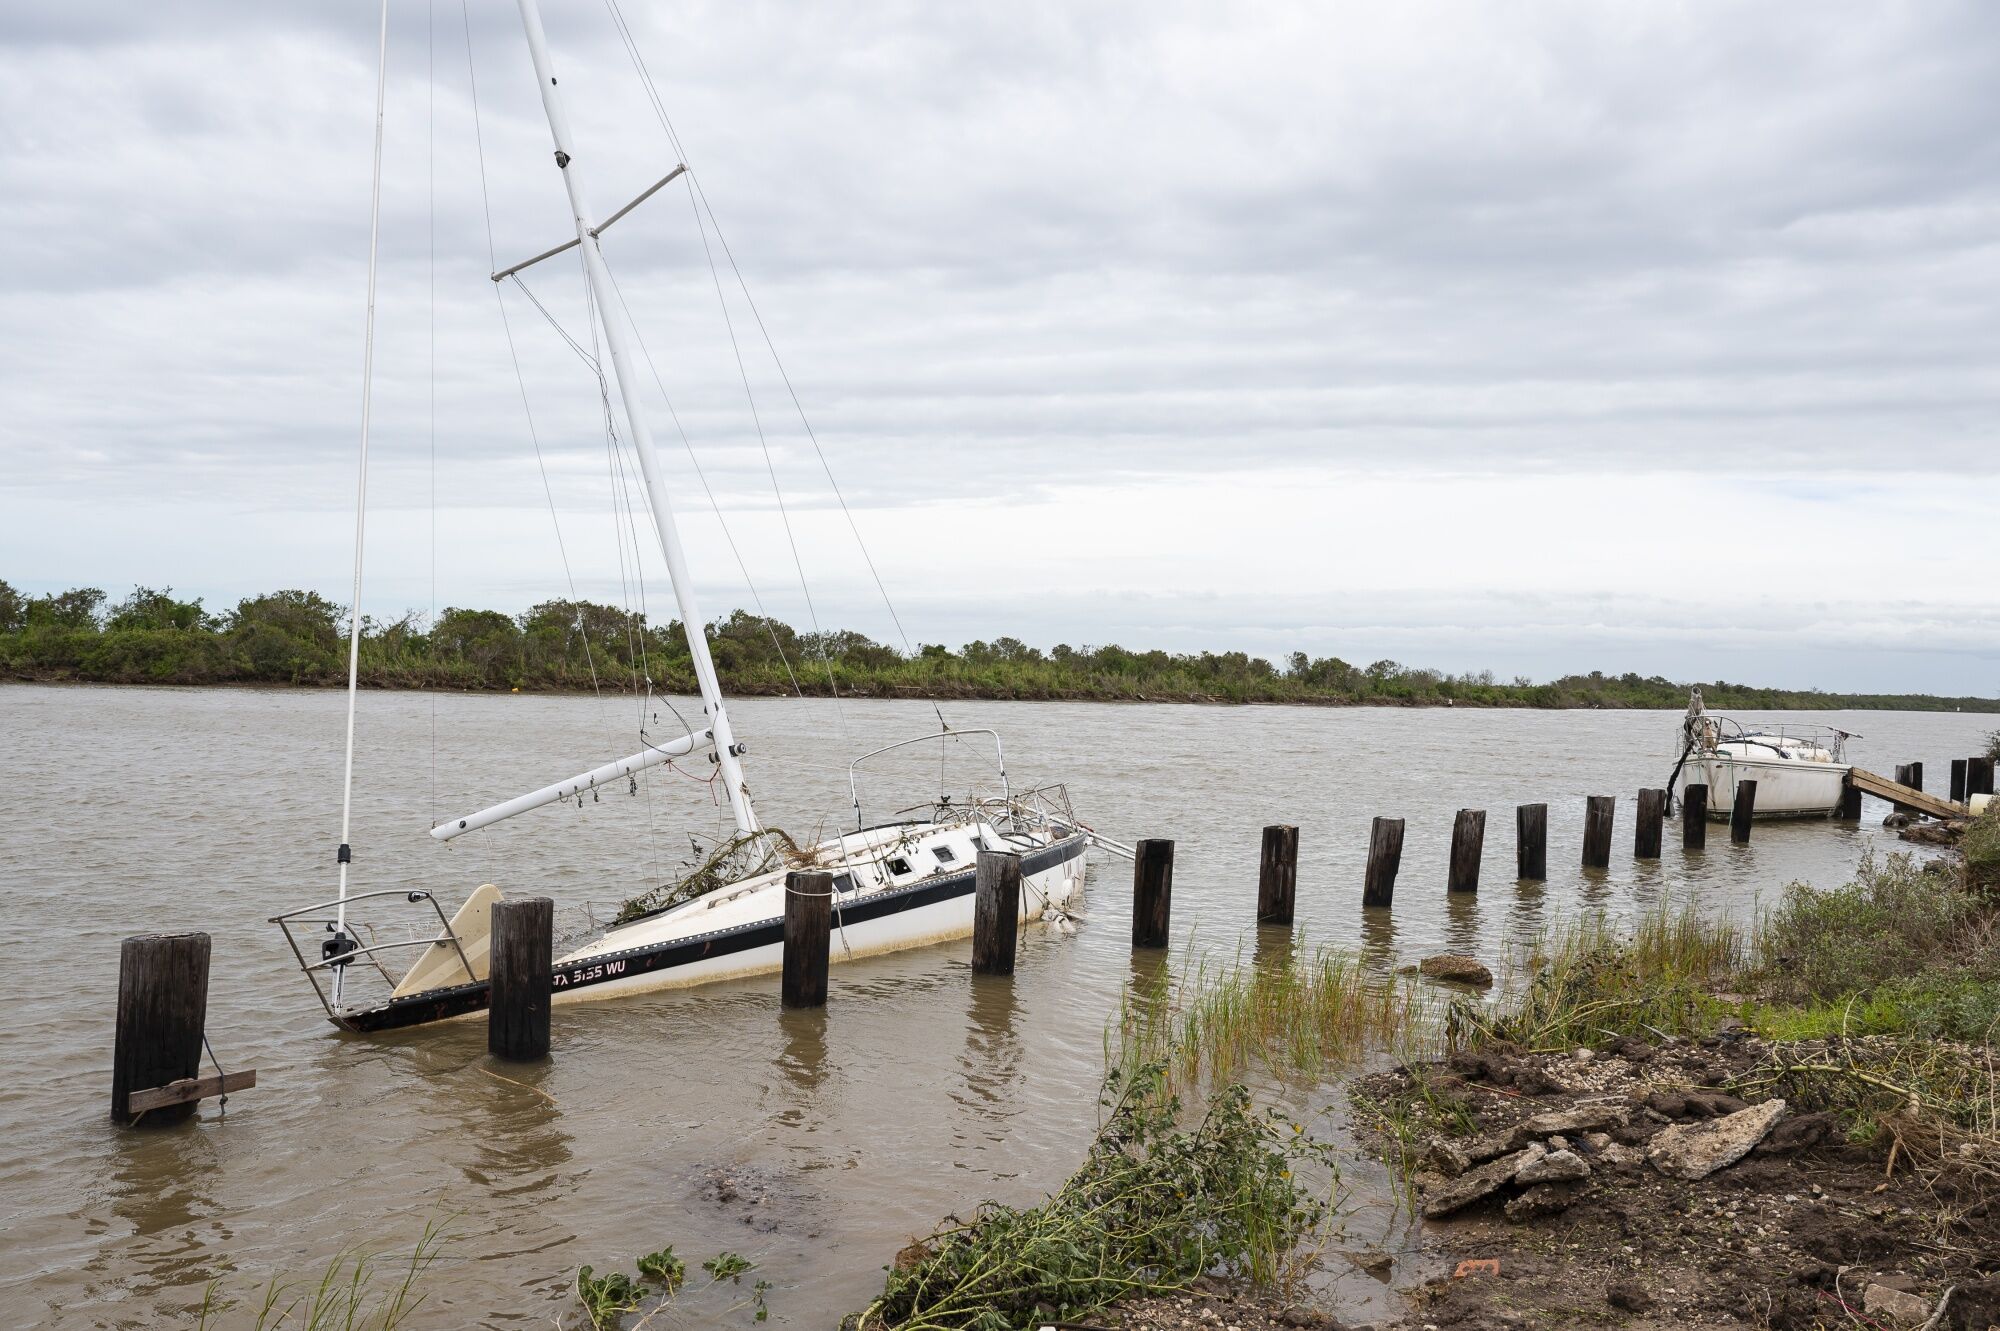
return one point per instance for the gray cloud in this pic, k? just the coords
(1038, 248)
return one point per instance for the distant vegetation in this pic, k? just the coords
(298, 637)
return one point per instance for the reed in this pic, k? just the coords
(1300, 1014)
(354, 1293)
(1590, 982)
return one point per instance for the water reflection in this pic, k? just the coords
(1275, 949)
(802, 1063)
(1525, 913)
(518, 1127)
(1461, 928)
(1378, 937)
(162, 1185)
(990, 1061)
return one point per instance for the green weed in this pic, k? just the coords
(1154, 1207)
(1303, 1013)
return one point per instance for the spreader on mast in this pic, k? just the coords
(727, 750)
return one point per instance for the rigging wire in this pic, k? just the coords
(770, 467)
(637, 660)
(697, 192)
(514, 355)
(345, 854)
(430, 206)
(756, 598)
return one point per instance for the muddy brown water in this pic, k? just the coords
(815, 1144)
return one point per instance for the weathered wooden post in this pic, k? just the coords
(808, 931)
(1958, 780)
(162, 1010)
(517, 1011)
(1385, 857)
(996, 912)
(1278, 874)
(1739, 812)
(1648, 828)
(1468, 842)
(1978, 777)
(1531, 842)
(1916, 781)
(1850, 801)
(1152, 892)
(1599, 812)
(1694, 816)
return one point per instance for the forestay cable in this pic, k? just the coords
(346, 853)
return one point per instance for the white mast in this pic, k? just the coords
(346, 852)
(726, 748)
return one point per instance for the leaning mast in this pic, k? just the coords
(727, 751)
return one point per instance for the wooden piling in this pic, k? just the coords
(1694, 816)
(1958, 780)
(1978, 777)
(1152, 892)
(1739, 813)
(996, 912)
(808, 931)
(162, 1010)
(1278, 874)
(1599, 813)
(1850, 802)
(517, 1012)
(1385, 857)
(1916, 781)
(1531, 842)
(1468, 842)
(1648, 827)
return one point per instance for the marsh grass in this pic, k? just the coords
(1590, 982)
(1301, 1013)
(356, 1292)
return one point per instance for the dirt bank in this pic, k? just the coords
(1672, 1185)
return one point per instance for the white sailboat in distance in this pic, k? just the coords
(897, 884)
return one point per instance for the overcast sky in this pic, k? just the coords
(1533, 337)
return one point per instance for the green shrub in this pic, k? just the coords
(1896, 918)
(1981, 849)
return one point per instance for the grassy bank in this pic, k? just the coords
(297, 638)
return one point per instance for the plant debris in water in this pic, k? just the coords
(1155, 1207)
(743, 856)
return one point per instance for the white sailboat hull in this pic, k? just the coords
(940, 922)
(894, 887)
(1786, 787)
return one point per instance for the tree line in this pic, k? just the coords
(299, 638)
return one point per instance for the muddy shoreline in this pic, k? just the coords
(1619, 1203)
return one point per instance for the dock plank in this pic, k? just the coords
(190, 1088)
(1908, 797)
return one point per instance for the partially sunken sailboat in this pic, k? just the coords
(897, 884)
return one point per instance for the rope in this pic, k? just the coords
(222, 1099)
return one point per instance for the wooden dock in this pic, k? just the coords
(1904, 797)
